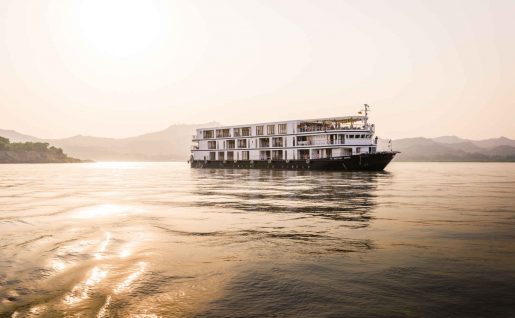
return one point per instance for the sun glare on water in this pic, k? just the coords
(105, 211)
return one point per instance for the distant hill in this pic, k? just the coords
(173, 144)
(494, 142)
(449, 140)
(451, 148)
(486, 143)
(170, 144)
(15, 136)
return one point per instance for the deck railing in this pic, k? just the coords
(317, 129)
(320, 142)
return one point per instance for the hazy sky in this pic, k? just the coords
(118, 68)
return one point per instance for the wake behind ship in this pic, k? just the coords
(341, 143)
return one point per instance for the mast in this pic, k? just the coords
(366, 114)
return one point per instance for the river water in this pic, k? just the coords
(164, 240)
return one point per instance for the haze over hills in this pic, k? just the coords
(173, 144)
(170, 144)
(15, 136)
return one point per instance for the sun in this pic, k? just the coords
(121, 28)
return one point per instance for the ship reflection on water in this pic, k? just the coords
(162, 240)
(338, 196)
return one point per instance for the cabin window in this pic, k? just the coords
(222, 133)
(277, 142)
(303, 154)
(303, 141)
(242, 143)
(208, 134)
(212, 155)
(264, 155)
(277, 155)
(264, 142)
(245, 131)
(211, 144)
(270, 129)
(259, 130)
(245, 155)
(281, 128)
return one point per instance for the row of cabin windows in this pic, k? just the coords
(241, 132)
(243, 143)
(270, 129)
(228, 144)
(263, 155)
(276, 154)
(230, 155)
(359, 136)
(265, 142)
(245, 131)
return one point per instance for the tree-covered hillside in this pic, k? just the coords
(31, 152)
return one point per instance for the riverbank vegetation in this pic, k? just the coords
(31, 152)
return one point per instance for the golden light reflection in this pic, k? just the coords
(145, 316)
(57, 265)
(104, 210)
(121, 287)
(103, 311)
(103, 246)
(118, 165)
(34, 311)
(126, 251)
(81, 291)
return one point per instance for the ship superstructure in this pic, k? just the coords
(336, 143)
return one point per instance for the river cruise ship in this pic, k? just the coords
(338, 143)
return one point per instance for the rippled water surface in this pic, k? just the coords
(164, 240)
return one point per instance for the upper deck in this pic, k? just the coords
(291, 127)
